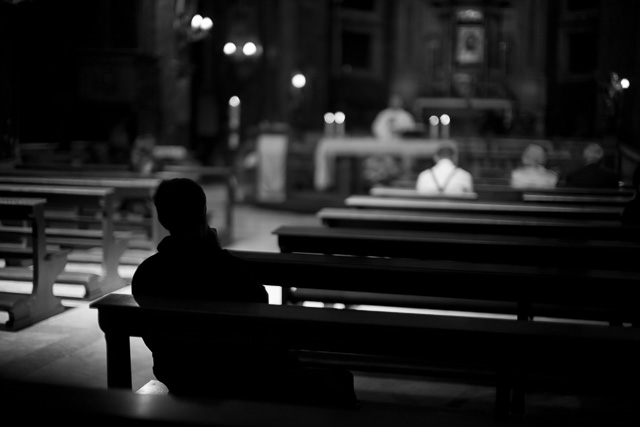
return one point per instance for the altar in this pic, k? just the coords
(330, 149)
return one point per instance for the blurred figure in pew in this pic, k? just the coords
(445, 177)
(533, 172)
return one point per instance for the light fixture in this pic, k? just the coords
(241, 50)
(298, 81)
(229, 48)
(234, 101)
(191, 29)
(329, 118)
(249, 49)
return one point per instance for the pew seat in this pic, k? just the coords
(514, 351)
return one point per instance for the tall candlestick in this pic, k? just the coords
(234, 112)
(329, 125)
(433, 127)
(340, 118)
(446, 122)
(234, 122)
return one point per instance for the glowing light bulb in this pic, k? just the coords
(229, 48)
(249, 48)
(196, 21)
(206, 24)
(329, 118)
(340, 117)
(624, 83)
(299, 81)
(234, 101)
(445, 119)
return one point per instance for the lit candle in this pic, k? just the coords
(446, 122)
(234, 112)
(234, 122)
(433, 127)
(340, 119)
(329, 125)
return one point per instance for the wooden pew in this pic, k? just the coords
(514, 351)
(478, 207)
(487, 192)
(42, 404)
(489, 223)
(27, 309)
(432, 245)
(66, 205)
(609, 200)
(202, 174)
(531, 251)
(524, 291)
(133, 188)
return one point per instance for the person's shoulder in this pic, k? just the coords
(146, 273)
(463, 171)
(519, 171)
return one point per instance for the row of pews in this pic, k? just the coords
(52, 217)
(530, 291)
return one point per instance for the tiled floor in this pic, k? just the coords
(70, 349)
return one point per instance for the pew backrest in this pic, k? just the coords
(486, 192)
(510, 349)
(527, 287)
(578, 211)
(489, 223)
(433, 245)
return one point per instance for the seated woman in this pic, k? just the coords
(533, 173)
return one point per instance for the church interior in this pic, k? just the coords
(311, 126)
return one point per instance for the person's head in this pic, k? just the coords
(182, 206)
(592, 153)
(396, 102)
(445, 151)
(534, 155)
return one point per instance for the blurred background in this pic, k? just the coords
(243, 83)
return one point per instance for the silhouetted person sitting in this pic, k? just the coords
(190, 264)
(593, 174)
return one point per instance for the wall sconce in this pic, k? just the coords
(298, 81)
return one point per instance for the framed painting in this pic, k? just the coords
(470, 44)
